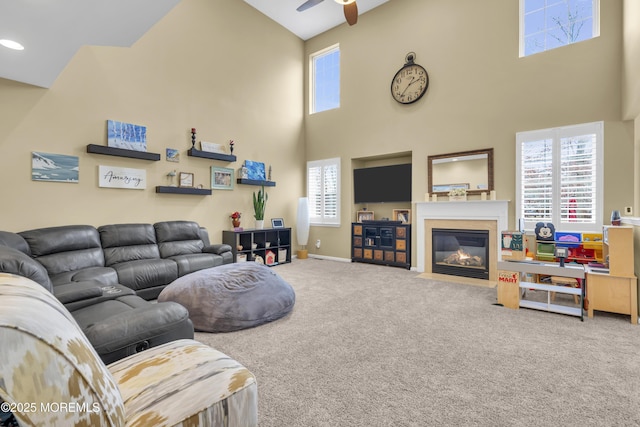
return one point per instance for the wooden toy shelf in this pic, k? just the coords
(510, 285)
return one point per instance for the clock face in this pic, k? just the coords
(409, 84)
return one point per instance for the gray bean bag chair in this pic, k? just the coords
(231, 297)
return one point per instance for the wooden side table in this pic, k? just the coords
(614, 294)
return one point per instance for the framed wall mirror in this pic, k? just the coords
(472, 170)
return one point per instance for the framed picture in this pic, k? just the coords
(277, 223)
(402, 215)
(54, 167)
(364, 216)
(448, 187)
(212, 147)
(186, 179)
(221, 178)
(126, 135)
(255, 170)
(173, 155)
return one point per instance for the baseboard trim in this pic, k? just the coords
(329, 258)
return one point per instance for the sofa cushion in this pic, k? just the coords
(15, 262)
(65, 248)
(178, 238)
(128, 242)
(15, 241)
(127, 325)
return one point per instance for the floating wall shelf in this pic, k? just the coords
(121, 152)
(208, 155)
(183, 190)
(256, 182)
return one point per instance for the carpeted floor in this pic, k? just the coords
(368, 345)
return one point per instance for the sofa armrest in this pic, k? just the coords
(78, 291)
(217, 249)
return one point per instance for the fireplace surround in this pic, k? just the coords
(487, 215)
(462, 253)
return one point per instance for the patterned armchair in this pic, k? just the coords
(51, 375)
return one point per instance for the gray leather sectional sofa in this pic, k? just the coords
(106, 275)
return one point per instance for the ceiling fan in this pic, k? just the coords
(350, 8)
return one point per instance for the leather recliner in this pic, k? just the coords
(117, 322)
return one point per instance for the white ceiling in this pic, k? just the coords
(310, 22)
(52, 32)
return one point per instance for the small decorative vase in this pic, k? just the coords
(457, 198)
(259, 224)
(235, 222)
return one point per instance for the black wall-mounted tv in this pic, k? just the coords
(382, 184)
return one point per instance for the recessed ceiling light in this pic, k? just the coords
(11, 44)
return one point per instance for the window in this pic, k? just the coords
(323, 191)
(548, 24)
(324, 79)
(559, 174)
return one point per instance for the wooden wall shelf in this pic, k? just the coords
(256, 182)
(121, 152)
(193, 152)
(183, 190)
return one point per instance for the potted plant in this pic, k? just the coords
(259, 204)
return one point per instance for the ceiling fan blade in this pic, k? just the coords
(351, 13)
(308, 4)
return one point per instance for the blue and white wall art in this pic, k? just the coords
(126, 136)
(54, 167)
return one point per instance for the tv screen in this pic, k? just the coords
(382, 184)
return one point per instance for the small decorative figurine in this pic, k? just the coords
(231, 146)
(193, 138)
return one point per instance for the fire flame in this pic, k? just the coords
(463, 255)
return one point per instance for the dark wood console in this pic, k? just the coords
(381, 242)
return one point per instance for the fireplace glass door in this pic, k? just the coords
(461, 253)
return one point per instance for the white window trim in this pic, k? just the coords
(556, 134)
(321, 221)
(596, 26)
(312, 77)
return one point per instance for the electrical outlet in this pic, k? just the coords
(628, 210)
(318, 243)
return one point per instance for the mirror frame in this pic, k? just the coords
(487, 151)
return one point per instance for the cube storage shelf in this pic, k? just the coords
(279, 240)
(381, 242)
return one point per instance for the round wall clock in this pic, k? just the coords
(410, 82)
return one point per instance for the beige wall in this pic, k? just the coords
(217, 65)
(222, 67)
(480, 94)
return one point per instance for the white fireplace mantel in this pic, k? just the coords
(484, 210)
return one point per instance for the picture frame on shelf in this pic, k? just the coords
(221, 178)
(402, 215)
(212, 147)
(438, 188)
(255, 170)
(277, 223)
(127, 136)
(186, 180)
(364, 216)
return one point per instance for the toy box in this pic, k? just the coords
(514, 245)
(568, 239)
